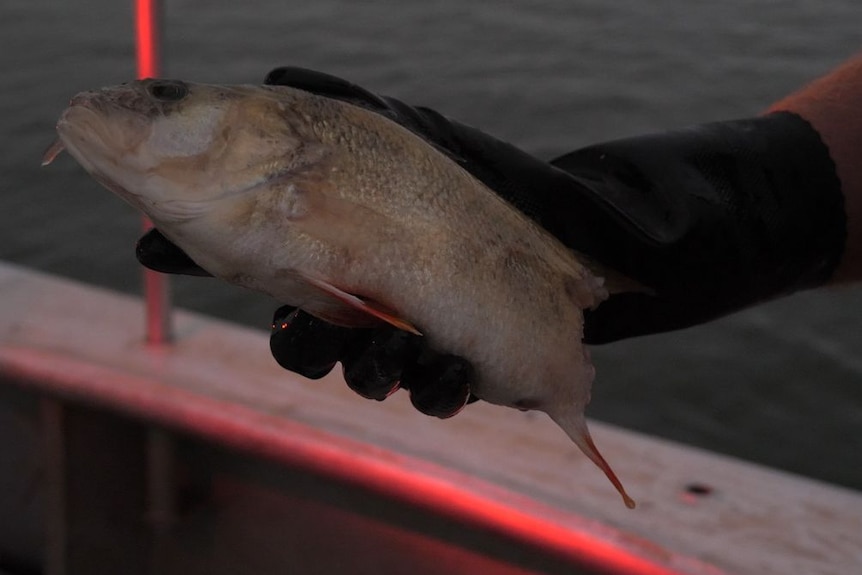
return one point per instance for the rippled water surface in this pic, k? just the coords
(780, 384)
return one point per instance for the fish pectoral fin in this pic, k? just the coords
(367, 306)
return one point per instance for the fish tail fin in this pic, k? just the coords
(575, 426)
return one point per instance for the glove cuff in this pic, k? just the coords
(730, 213)
(713, 219)
(776, 176)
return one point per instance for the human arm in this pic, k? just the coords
(691, 215)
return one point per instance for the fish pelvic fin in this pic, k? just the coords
(366, 306)
(575, 425)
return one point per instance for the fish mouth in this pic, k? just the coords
(109, 123)
(82, 100)
(84, 134)
(57, 147)
(99, 137)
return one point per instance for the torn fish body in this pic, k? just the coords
(341, 212)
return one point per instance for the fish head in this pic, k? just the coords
(172, 149)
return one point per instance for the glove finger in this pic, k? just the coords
(439, 384)
(158, 253)
(374, 362)
(303, 344)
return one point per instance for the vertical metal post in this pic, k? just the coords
(56, 527)
(156, 286)
(161, 495)
(161, 477)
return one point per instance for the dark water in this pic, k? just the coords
(780, 384)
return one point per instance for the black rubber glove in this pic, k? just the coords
(710, 219)
(713, 219)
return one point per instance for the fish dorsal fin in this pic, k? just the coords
(614, 281)
(574, 424)
(369, 307)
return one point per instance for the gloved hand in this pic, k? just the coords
(709, 220)
(376, 362)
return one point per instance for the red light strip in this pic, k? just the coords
(147, 40)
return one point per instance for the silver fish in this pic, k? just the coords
(341, 212)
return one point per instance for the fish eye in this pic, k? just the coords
(168, 90)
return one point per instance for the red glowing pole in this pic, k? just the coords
(161, 485)
(156, 287)
(147, 37)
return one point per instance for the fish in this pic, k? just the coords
(344, 213)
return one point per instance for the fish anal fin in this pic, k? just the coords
(367, 306)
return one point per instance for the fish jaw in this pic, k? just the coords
(85, 135)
